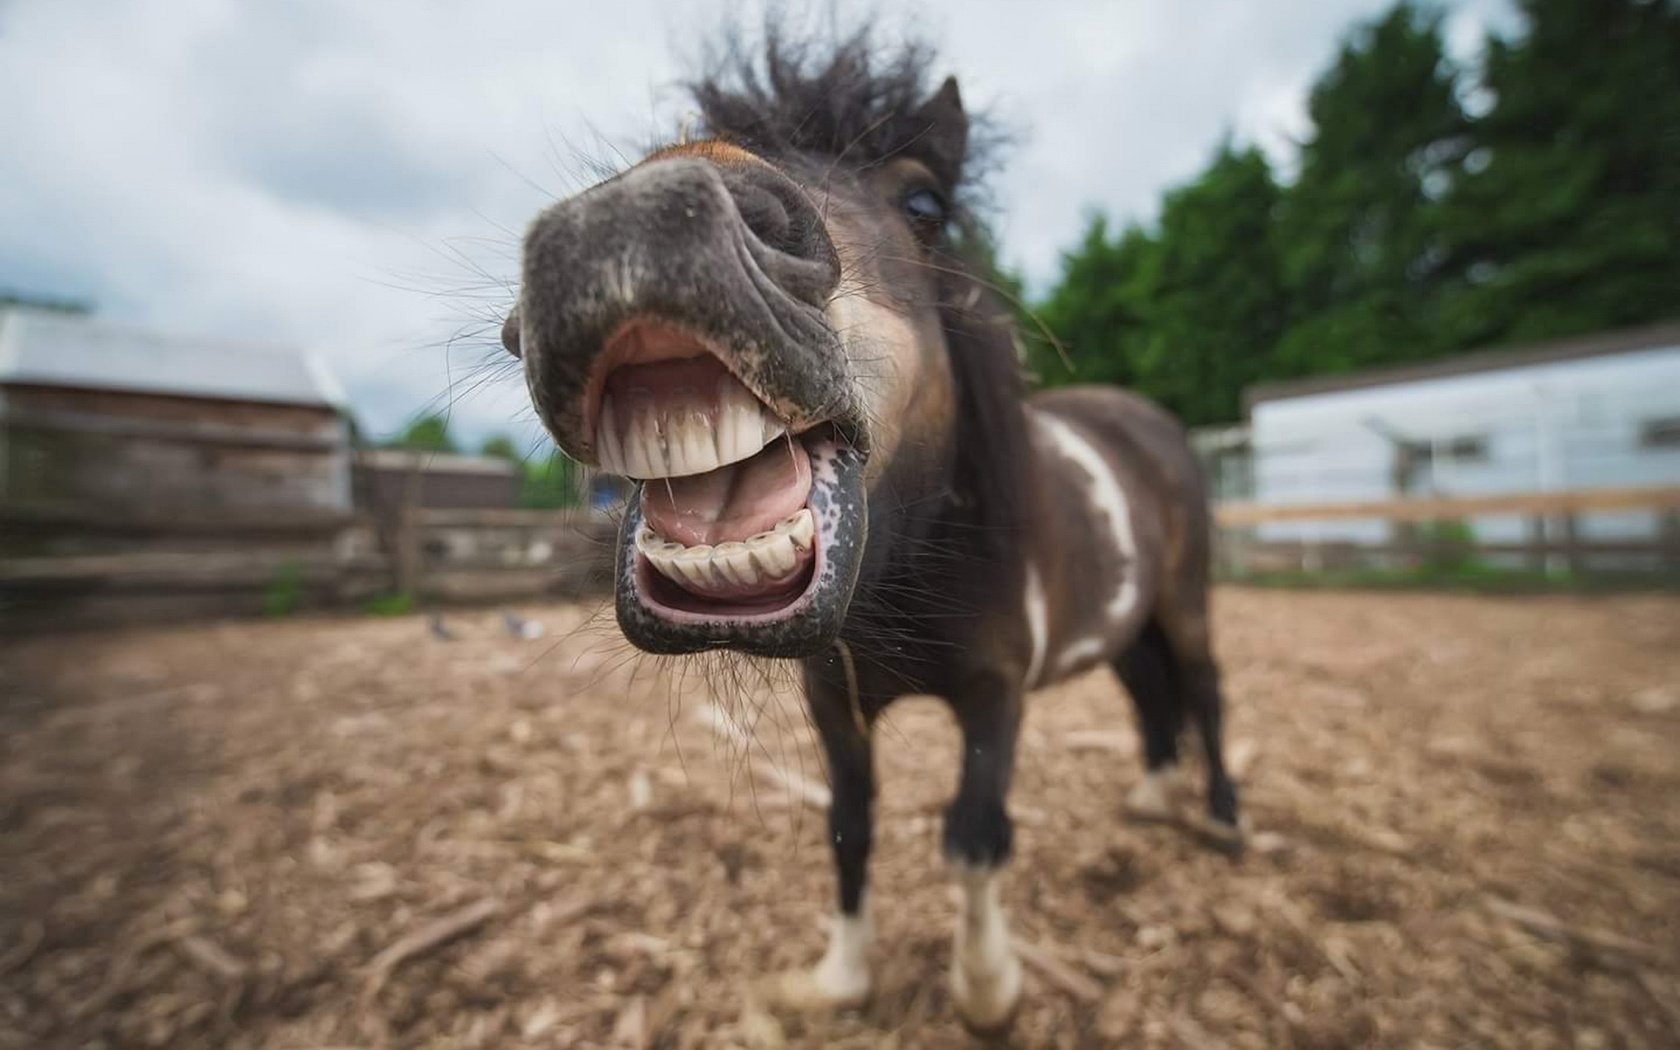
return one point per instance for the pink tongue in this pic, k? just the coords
(733, 502)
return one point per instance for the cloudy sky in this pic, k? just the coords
(353, 176)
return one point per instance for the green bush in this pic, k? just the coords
(284, 594)
(1448, 547)
(389, 605)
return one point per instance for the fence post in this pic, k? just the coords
(1668, 536)
(1536, 556)
(407, 565)
(1574, 557)
(1228, 561)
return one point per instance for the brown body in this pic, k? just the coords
(1145, 451)
(967, 544)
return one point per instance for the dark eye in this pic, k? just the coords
(926, 210)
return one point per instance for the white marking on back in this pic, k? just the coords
(1087, 648)
(1107, 498)
(1036, 628)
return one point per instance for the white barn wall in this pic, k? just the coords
(1547, 426)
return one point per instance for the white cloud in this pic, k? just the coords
(352, 177)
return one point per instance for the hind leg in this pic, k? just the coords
(1147, 673)
(1197, 678)
(1184, 630)
(1202, 695)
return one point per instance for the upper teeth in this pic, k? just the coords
(649, 439)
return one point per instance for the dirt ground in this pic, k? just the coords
(353, 833)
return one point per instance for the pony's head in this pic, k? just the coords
(753, 324)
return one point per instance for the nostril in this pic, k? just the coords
(779, 214)
(767, 217)
(510, 332)
(783, 219)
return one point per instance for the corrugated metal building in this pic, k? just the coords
(1573, 414)
(102, 418)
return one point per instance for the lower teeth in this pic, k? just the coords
(768, 557)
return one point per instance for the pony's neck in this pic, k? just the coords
(947, 520)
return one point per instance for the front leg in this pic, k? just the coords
(841, 978)
(985, 974)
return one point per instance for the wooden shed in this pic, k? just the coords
(98, 418)
(146, 476)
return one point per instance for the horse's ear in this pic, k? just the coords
(946, 138)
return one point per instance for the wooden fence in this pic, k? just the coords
(65, 567)
(483, 555)
(1553, 537)
(69, 567)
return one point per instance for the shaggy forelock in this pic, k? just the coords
(848, 98)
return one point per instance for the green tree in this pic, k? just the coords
(1411, 230)
(500, 446)
(1097, 309)
(1567, 218)
(427, 433)
(1212, 292)
(1362, 250)
(545, 482)
(1187, 315)
(550, 482)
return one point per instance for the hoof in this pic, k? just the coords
(1224, 836)
(986, 1003)
(816, 991)
(1152, 798)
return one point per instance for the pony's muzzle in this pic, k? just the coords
(737, 256)
(673, 326)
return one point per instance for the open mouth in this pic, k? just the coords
(740, 532)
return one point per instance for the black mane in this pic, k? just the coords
(994, 452)
(844, 96)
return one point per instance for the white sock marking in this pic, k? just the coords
(985, 975)
(842, 975)
(1153, 795)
